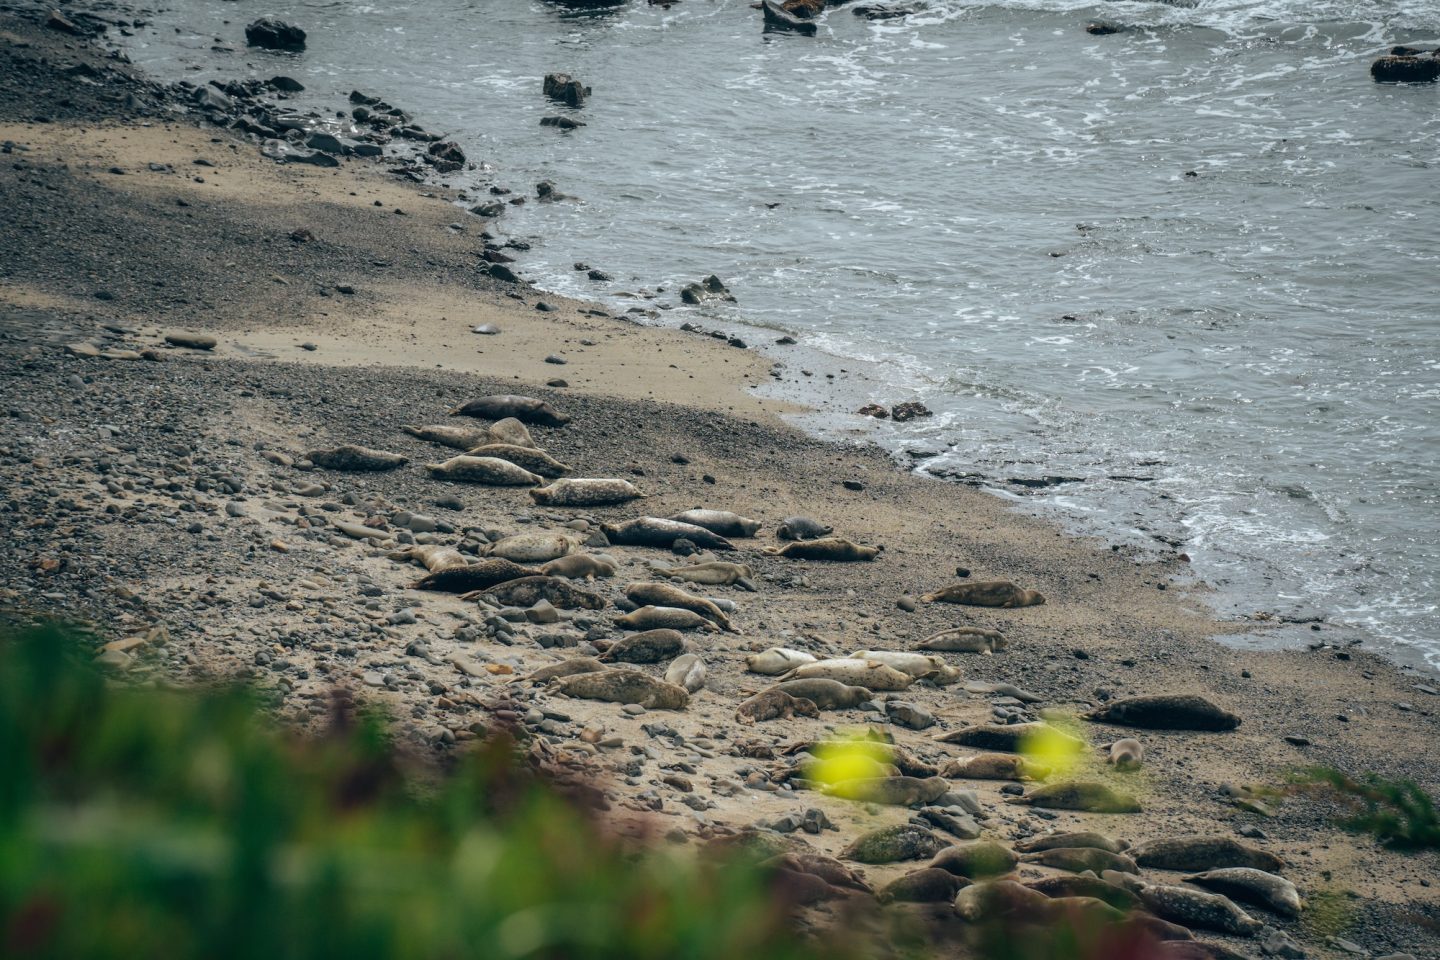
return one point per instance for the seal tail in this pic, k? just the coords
(929, 598)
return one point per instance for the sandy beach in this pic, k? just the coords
(161, 495)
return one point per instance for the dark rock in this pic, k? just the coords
(909, 411)
(327, 142)
(208, 98)
(446, 153)
(501, 272)
(286, 84)
(58, 22)
(778, 18)
(566, 89)
(873, 410)
(271, 33)
(886, 11)
(600, 276)
(1103, 28)
(852, 485)
(1406, 69)
(564, 123)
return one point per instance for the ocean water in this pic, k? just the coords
(1175, 286)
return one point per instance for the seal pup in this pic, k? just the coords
(531, 547)
(431, 556)
(511, 431)
(723, 522)
(827, 694)
(929, 885)
(773, 704)
(355, 459)
(1183, 711)
(688, 671)
(487, 470)
(1079, 795)
(904, 841)
(777, 660)
(994, 766)
(986, 593)
(890, 791)
(511, 406)
(832, 549)
(566, 668)
(528, 591)
(658, 532)
(964, 640)
(652, 646)
(802, 528)
(527, 458)
(579, 566)
(870, 674)
(625, 686)
(1077, 839)
(457, 437)
(665, 595)
(713, 573)
(976, 859)
(1204, 853)
(1196, 908)
(673, 618)
(918, 665)
(474, 576)
(1252, 886)
(1080, 859)
(594, 492)
(1126, 754)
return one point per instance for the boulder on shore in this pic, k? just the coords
(274, 34)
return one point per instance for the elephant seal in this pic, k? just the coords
(652, 646)
(657, 532)
(964, 640)
(457, 437)
(827, 694)
(531, 547)
(1204, 853)
(986, 593)
(355, 459)
(1184, 711)
(579, 566)
(665, 595)
(479, 575)
(976, 859)
(994, 766)
(930, 885)
(625, 686)
(528, 591)
(586, 493)
(777, 660)
(869, 674)
(891, 791)
(1096, 841)
(1000, 899)
(1007, 738)
(431, 556)
(673, 618)
(833, 549)
(1195, 908)
(723, 522)
(1080, 859)
(1126, 754)
(1249, 885)
(802, 528)
(688, 671)
(918, 665)
(1079, 795)
(567, 668)
(1076, 885)
(511, 431)
(526, 458)
(487, 470)
(773, 704)
(715, 573)
(510, 406)
(904, 841)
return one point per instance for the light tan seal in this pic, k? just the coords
(986, 593)
(431, 556)
(994, 766)
(456, 437)
(688, 671)
(511, 431)
(831, 549)
(506, 406)
(625, 686)
(527, 458)
(579, 566)
(723, 522)
(777, 660)
(826, 694)
(567, 668)
(891, 791)
(586, 493)
(1126, 754)
(713, 573)
(673, 618)
(531, 547)
(665, 595)
(870, 674)
(921, 666)
(964, 640)
(489, 471)
(355, 459)
(1076, 839)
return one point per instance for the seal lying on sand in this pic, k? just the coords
(503, 406)
(527, 458)
(1053, 841)
(1253, 886)
(658, 532)
(1195, 908)
(891, 791)
(652, 646)
(870, 674)
(994, 766)
(673, 618)
(832, 549)
(579, 566)
(457, 437)
(826, 694)
(528, 591)
(1126, 755)
(976, 859)
(986, 593)
(918, 665)
(1079, 795)
(930, 885)
(665, 595)
(803, 528)
(723, 522)
(431, 556)
(510, 431)
(688, 671)
(1080, 859)
(531, 547)
(567, 668)
(964, 640)
(490, 471)
(777, 660)
(625, 686)
(904, 841)
(773, 704)
(594, 492)
(355, 459)
(713, 573)
(1204, 853)
(475, 576)
(1009, 738)
(1166, 712)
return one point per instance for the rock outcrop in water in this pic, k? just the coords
(566, 89)
(1406, 68)
(271, 33)
(778, 18)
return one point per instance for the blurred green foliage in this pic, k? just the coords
(1396, 812)
(141, 822)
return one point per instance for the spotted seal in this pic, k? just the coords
(658, 532)
(531, 547)
(1249, 885)
(355, 459)
(870, 674)
(986, 593)
(579, 566)
(777, 660)
(964, 640)
(673, 618)
(1204, 853)
(723, 522)
(625, 686)
(652, 646)
(773, 704)
(713, 573)
(688, 671)
(665, 595)
(527, 458)
(1080, 859)
(1182, 711)
(832, 549)
(802, 528)
(1079, 795)
(457, 437)
(994, 766)
(918, 665)
(490, 471)
(904, 841)
(1196, 908)
(590, 492)
(511, 406)
(976, 859)
(528, 591)
(479, 575)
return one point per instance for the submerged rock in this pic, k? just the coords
(271, 33)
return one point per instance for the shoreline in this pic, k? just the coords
(301, 619)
